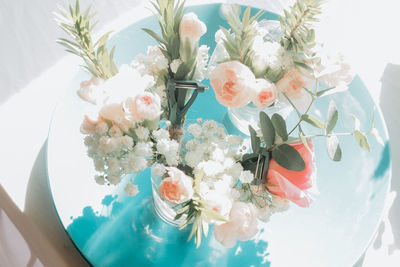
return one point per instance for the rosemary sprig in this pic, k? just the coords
(98, 60)
(239, 44)
(299, 36)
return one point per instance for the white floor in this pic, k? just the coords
(33, 70)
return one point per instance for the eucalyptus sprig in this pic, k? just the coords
(239, 44)
(275, 141)
(98, 60)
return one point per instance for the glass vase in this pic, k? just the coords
(165, 210)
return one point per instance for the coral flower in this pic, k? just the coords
(234, 84)
(293, 185)
(177, 187)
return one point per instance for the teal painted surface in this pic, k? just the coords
(112, 229)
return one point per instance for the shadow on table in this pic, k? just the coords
(390, 94)
(39, 206)
(389, 102)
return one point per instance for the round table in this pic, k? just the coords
(112, 229)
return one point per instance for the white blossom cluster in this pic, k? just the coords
(155, 64)
(115, 152)
(166, 149)
(213, 155)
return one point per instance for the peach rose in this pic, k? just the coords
(177, 187)
(191, 28)
(115, 113)
(233, 83)
(266, 93)
(88, 125)
(144, 106)
(242, 225)
(91, 91)
(293, 185)
(292, 84)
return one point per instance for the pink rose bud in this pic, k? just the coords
(266, 93)
(233, 83)
(144, 106)
(191, 28)
(177, 187)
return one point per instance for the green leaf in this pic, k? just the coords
(334, 150)
(280, 126)
(255, 140)
(182, 71)
(267, 129)
(154, 35)
(332, 117)
(303, 65)
(288, 157)
(361, 140)
(313, 121)
(325, 92)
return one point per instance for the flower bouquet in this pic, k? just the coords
(202, 175)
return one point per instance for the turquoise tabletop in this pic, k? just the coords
(112, 229)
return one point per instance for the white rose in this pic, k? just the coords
(91, 91)
(191, 29)
(144, 106)
(242, 224)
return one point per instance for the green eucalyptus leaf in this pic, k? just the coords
(361, 140)
(255, 140)
(288, 157)
(325, 92)
(313, 121)
(332, 117)
(267, 129)
(280, 126)
(334, 150)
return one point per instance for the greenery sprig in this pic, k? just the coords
(180, 94)
(239, 44)
(276, 140)
(299, 36)
(98, 60)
